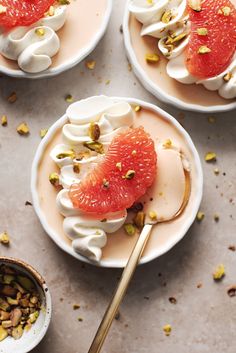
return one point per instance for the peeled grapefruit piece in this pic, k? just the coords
(22, 12)
(212, 41)
(122, 177)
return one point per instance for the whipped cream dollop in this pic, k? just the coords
(34, 46)
(88, 234)
(167, 20)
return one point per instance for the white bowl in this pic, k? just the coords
(81, 52)
(150, 254)
(31, 338)
(146, 78)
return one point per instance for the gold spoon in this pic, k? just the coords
(129, 271)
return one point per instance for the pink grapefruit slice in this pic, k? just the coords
(212, 41)
(128, 169)
(22, 12)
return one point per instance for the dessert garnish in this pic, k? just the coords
(4, 238)
(4, 120)
(125, 186)
(219, 273)
(23, 129)
(20, 303)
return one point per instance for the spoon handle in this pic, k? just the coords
(120, 290)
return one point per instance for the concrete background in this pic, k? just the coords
(204, 319)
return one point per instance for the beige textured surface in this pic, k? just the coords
(203, 320)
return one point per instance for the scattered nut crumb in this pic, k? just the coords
(173, 300)
(90, 64)
(4, 238)
(219, 273)
(54, 179)
(107, 82)
(28, 203)
(80, 319)
(216, 171)
(117, 316)
(200, 216)
(167, 329)
(43, 133)
(12, 98)
(216, 217)
(211, 119)
(69, 98)
(4, 120)
(129, 67)
(210, 157)
(121, 29)
(76, 306)
(152, 58)
(23, 129)
(137, 108)
(199, 285)
(232, 247)
(231, 291)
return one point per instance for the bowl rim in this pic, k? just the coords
(70, 63)
(48, 300)
(115, 263)
(153, 88)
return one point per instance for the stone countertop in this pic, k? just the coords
(204, 319)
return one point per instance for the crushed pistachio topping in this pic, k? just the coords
(134, 152)
(54, 179)
(94, 146)
(150, 2)
(64, 2)
(152, 58)
(137, 108)
(225, 10)
(105, 183)
(43, 133)
(219, 273)
(119, 166)
(90, 64)
(203, 49)
(167, 143)
(195, 5)
(130, 229)
(216, 171)
(139, 219)
(211, 119)
(107, 82)
(40, 32)
(94, 131)
(167, 329)
(4, 238)
(129, 175)
(202, 31)
(228, 76)
(4, 120)
(69, 98)
(76, 306)
(76, 168)
(19, 303)
(3, 9)
(129, 67)
(153, 215)
(210, 157)
(200, 216)
(167, 16)
(231, 291)
(216, 217)
(51, 11)
(66, 154)
(23, 129)
(12, 98)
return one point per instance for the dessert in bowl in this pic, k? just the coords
(184, 55)
(102, 167)
(46, 37)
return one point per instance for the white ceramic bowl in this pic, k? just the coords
(197, 185)
(30, 339)
(146, 78)
(81, 52)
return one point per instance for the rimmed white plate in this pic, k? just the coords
(119, 245)
(155, 79)
(86, 23)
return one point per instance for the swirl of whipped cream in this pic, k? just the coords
(88, 234)
(34, 46)
(173, 38)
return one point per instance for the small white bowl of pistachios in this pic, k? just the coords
(25, 306)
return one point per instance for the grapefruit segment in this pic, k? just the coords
(22, 12)
(128, 169)
(212, 42)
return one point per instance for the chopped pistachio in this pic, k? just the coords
(195, 5)
(3, 9)
(4, 238)
(80, 319)
(4, 120)
(134, 152)
(179, 37)
(43, 133)
(69, 98)
(167, 16)
(12, 98)
(23, 129)
(76, 168)
(76, 306)
(54, 179)
(130, 229)
(105, 183)
(150, 2)
(200, 216)
(139, 219)
(137, 108)
(51, 11)
(216, 171)
(210, 157)
(225, 10)
(228, 77)
(94, 131)
(167, 329)
(167, 143)
(90, 64)
(94, 146)
(64, 2)
(119, 166)
(40, 32)
(152, 58)
(219, 273)
(202, 31)
(203, 49)
(66, 154)
(211, 119)
(153, 215)
(3, 333)
(129, 67)
(129, 175)
(216, 217)
(107, 82)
